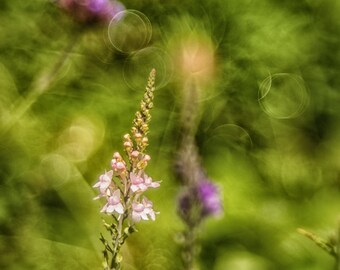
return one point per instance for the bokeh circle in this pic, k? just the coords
(283, 96)
(138, 65)
(129, 31)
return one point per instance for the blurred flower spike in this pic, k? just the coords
(196, 58)
(123, 186)
(91, 11)
(192, 50)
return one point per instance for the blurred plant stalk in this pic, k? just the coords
(40, 86)
(199, 196)
(86, 15)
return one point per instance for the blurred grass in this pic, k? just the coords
(275, 174)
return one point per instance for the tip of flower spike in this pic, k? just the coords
(151, 81)
(153, 73)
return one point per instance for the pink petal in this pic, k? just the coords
(155, 184)
(138, 207)
(142, 187)
(116, 196)
(144, 216)
(119, 208)
(110, 209)
(104, 186)
(97, 197)
(96, 185)
(135, 217)
(134, 188)
(146, 202)
(103, 209)
(152, 215)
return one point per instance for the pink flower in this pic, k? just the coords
(137, 183)
(148, 208)
(138, 212)
(104, 182)
(148, 182)
(143, 210)
(118, 164)
(113, 204)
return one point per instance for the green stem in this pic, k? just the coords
(115, 263)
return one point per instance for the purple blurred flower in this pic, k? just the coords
(199, 201)
(209, 198)
(91, 11)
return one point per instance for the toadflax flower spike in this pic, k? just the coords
(124, 184)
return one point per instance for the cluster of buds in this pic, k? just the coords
(91, 11)
(123, 186)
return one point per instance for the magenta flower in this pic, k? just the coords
(91, 11)
(209, 198)
(199, 201)
(113, 204)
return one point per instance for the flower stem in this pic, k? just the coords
(115, 263)
(190, 248)
(190, 109)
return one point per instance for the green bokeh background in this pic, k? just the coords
(269, 134)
